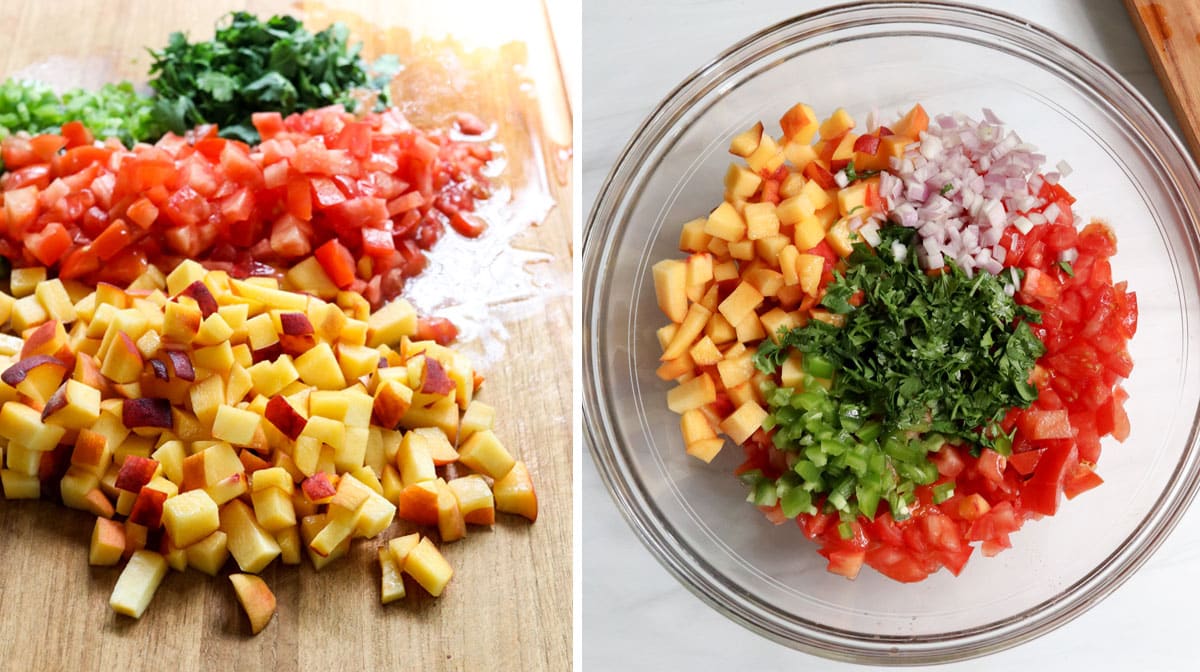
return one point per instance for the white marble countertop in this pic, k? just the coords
(636, 616)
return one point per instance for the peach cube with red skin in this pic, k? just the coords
(108, 542)
(745, 143)
(475, 499)
(514, 493)
(256, 599)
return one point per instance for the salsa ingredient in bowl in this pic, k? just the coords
(908, 332)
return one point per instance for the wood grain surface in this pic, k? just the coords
(1170, 31)
(509, 604)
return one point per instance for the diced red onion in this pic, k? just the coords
(962, 185)
(1051, 212)
(870, 233)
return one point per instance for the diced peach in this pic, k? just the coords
(392, 583)
(725, 223)
(256, 599)
(190, 517)
(418, 503)
(913, 123)
(740, 183)
(693, 324)
(209, 554)
(251, 546)
(706, 449)
(742, 301)
(836, 125)
(743, 422)
(799, 124)
(761, 220)
(484, 453)
(137, 583)
(670, 287)
(475, 499)
(692, 237)
(744, 144)
(809, 268)
(767, 157)
(428, 567)
(514, 493)
(692, 394)
(451, 525)
(108, 542)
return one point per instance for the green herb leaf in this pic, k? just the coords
(1066, 268)
(260, 66)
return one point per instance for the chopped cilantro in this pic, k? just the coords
(1066, 268)
(260, 66)
(946, 353)
(946, 188)
(852, 175)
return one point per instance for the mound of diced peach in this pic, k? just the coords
(756, 264)
(242, 420)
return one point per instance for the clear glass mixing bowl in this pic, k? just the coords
(1129, 170)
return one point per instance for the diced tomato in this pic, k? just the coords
(846, 562)
(895, 563)
(991, 465)
(268, 124)
(76, 134)
(142, 212)
(49, 244)
(949, 463)
(437, 329)
(774, 514)
(1039, 425)
(1042, 493)
(376, 187)
(299, 197)
(77, 263)
(1025, 462)
(1082, 479)
(337, 262)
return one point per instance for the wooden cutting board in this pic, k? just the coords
(1170, 31)
(509, 604)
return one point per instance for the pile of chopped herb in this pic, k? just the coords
(920, 360)
(257, 66)
(943, 353)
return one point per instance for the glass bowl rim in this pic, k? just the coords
(691, 570)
